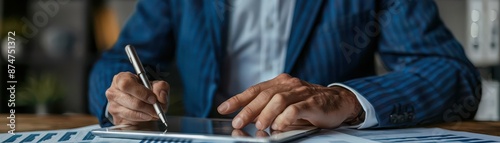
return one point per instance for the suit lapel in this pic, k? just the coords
(305, 13)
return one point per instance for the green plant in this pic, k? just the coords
(40, 90)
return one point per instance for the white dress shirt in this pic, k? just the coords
(258, 39)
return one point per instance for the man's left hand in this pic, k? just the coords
(286, 100)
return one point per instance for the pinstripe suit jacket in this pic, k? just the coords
(430, 78)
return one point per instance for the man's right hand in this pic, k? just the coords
(129, 102)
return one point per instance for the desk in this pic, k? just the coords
(489, 128)
(29, 122)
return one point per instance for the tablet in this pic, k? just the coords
(188, 129)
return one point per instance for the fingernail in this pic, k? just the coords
(152, 100)
(237, 122)
(223, 107)
(259, 125)
(275, 126)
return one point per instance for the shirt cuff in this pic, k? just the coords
(370, 118)
(109, 116)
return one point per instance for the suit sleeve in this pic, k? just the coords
(430, 79)
(149, 30)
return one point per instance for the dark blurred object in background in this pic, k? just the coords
(57, 42)
(475, 24)
(53, 43)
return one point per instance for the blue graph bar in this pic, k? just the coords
(12, 138)
(434, 138)
(67, 136)
(47, 137)
(89, 136)
(30, 138)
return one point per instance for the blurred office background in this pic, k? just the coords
(57, 43)
(63, 38)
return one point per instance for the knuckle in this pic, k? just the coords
(265, 96)
(248, 111)
(133, 114)
(109, 94)
(294, 80)
(279, 98)
(322, 103)
(129, 114)
(127, 74)
(235, 99)
(142, 93)
(116, 77)
(163, 84)
(302, 89)
(253, 89)
(317, 100)
(112, 111)
(293, 110)
(123, 83)
(113, 108)
(284, 76)
(272, 113)
(122, 75)
(135, 104)
(267, 93)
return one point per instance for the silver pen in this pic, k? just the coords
(139, 69)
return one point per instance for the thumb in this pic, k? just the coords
(161, 89)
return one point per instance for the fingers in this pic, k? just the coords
(311, 111)
(277, 105)
(254, 108)
(240, 100)
(291, 114)
(130, 102)
(122, 112)
(161, 89)
(128, 83)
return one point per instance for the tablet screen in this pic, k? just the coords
(196, 127)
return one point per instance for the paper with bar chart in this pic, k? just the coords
(342, 135)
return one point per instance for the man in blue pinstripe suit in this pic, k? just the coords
(291, 62)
